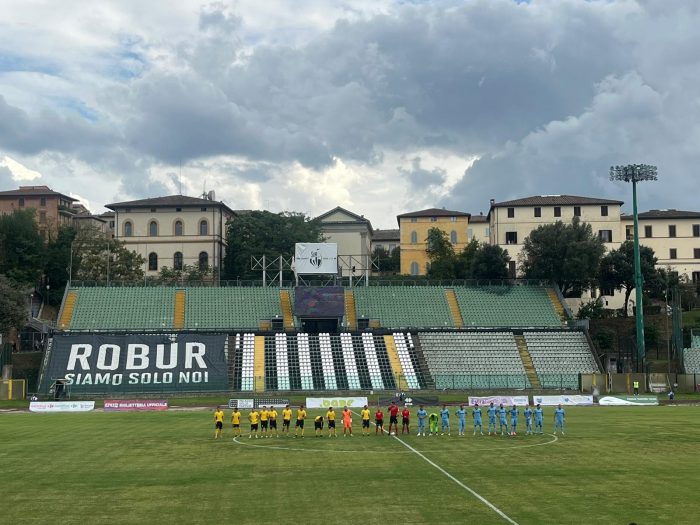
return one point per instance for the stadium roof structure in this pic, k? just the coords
(38, 191)
(554, 200)
(167, 201)
(386, 235)
(664, 214)
(434, 212)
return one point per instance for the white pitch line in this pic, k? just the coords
(458, 482)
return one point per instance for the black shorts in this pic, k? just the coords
(273, 423)
(219, 425)
(331, 424)
(365, 423)
(263, 425)
(379, 422)
(300, 423)
(253, 426)
(393, 419)
(285, 423)
(236, 425)
(318, 425)
(404, 421)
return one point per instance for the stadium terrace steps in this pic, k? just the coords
(231, 307)
(554, 297)
(179, 317)
(506, 306)
(454, 308)
(527, 361)
(559, 357)
(404, 306)
(350, 312)
(67, 311)
(286, 305)
(259, 363)
(691, 360)
(395, 362)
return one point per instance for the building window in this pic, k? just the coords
(470, 234)
(203, 261)
(177, 261)
(42, 217)
(414, 268)
(648, 232)
(414, 219)
(696, 277)
(538, 211)
(111, 225)
(153, 210)
(604, 211)
(453, 237)
(153, 229)
(605, 235)
(557, 211)
(179, 228)
(453, 219)
(202, 209)
(696, 253)
(671, 230)
(511, 237)
(21, 202)
(511, 213)
(629, 233)
(128, 229)
(203, 227)
(414, 237)
(433, 219)
(577, 211)
(152, 262)
(42, 201)
(178, 209)
(607, 291)
(673, 253)
(511, 269)
(696, 230)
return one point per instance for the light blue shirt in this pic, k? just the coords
(445, 414)
(528, 413)
(476, 414)
(422, 414)
(559, 414)
(502, 413)
(492, 412)
(461, 413)
(513, 413)
(538, 414)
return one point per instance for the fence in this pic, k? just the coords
(13, 389)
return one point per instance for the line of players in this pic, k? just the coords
(507, 419)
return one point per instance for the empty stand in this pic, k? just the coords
(373, 368)
(329, 380)
(282, 362)
(231, 307)
(691, 360)
(404, 306)
(559, 357)
(247, 343)
(409, 371)
(473, 360)
(305, 369)
(351, 371)
(506, 306)
(271, 382)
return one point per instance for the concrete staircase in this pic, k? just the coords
(395, 362)
(527, 362)
(287, 313)
(350, 311)
(179, 315)
(454, 308)
(554, 297)
(67, 312)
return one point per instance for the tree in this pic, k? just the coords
(388, 262)
(490, 262)
(261, 233)
(617, 270)
(98, 258)
(441, 255)
(188, 274)
(21, 247)
(568, 254)
(593, 309)
(13, 305)
(465, 259)
(58, 261)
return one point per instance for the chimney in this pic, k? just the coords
(492, 201)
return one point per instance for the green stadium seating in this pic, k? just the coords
(559, 357)
(691, 360)
(404, 306)
(695, 342)
(230, 307)
(506, 306)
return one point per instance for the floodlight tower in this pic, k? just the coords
(635, 173)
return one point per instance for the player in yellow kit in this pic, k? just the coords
(286, 419)
(301, 415)
(236, 422)
(330, 417)
(272, 415)
(365, 415)
(218, 423)
(253, 417)
(263, 421)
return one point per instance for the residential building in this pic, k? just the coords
(353, 235)
(413, 230)
(53, 209)
(479, 229)
(387, 240)
(174, 231)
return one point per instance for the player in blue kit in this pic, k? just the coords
(559, 419)
(476, 415)
(491, 411)
(445, 415)
(538, 419)
(422, 414)
(503, 423)
(462, 415)
(528, 420)
(513, 420)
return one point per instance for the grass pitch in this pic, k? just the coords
(615, 465)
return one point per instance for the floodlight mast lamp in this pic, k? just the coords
(635, 173)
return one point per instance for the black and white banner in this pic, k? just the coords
(95, 363)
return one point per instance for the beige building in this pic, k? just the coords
(387, 240)
(353, 235)
(173, 231)
(479, 229)
(53, 209)
(413, 230)
(511, 222)
(674, 235)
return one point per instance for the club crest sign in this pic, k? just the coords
(316, 258)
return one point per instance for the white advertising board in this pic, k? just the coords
(335, 402)
(499, 400)
(573, 400)
(61, 406)
(316, 258)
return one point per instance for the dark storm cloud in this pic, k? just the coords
(419, 177)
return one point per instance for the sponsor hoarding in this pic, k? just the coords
(100, 363)
(61, 406)
(316, 258)
(628, 401)
(499, 400)
(134, 405)
(573, 400)
(324, 402)
(241, 403)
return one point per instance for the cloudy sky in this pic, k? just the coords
(379, 106)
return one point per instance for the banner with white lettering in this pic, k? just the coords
(316, 258)
(573, 400)
(498, 400)
(101, 363)
(628, 401)
(134, 405)
(335, 402)
(61, 406)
